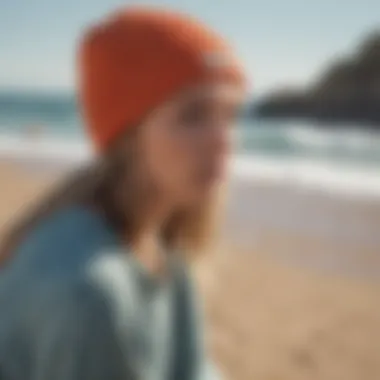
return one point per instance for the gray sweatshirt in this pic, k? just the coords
(75, 305)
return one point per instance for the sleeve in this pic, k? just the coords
(76, 341)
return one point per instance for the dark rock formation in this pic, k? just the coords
(348, 91)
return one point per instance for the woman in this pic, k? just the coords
(94, 282)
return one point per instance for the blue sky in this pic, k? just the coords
(280, 41)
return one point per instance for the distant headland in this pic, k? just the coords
(347, 92)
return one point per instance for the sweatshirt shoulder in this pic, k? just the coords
(62, 241)
(59, 254)
(67, 226)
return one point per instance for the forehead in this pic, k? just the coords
(223, 94)
(215, 92)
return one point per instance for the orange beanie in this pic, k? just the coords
(138, 58)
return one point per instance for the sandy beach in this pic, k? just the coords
(276, 310)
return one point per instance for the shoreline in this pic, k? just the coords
(299, 212)
(52, 155)
(325, 216)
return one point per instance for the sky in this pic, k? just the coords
(281, 42)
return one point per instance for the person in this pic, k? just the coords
(95, 282)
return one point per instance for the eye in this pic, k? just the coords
(193, 114)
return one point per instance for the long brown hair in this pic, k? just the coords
(109, 186)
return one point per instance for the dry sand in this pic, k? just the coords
(267, 319)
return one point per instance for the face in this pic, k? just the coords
(185, 143)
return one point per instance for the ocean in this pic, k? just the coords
(54, 118)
